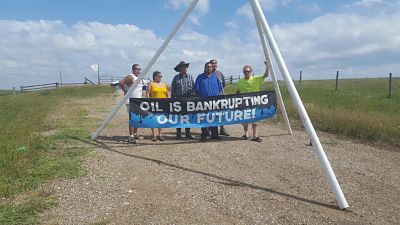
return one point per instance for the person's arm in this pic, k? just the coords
(192, 93)
(148, 90)
(221, 88)
(173, 87)
(166, 90)
(223, 80)
(266, 70)
(237, 88)
(196, 87)
(125, 83)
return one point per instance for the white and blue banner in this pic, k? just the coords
(195, 112)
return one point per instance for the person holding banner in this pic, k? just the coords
(125, 84)
(208, 84)
(157, 89)
(250, 84)
(182, 86)
(221, 78)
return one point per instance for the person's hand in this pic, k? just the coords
(266, 69)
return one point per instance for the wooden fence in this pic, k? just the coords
(41, 87)
(232, 79)
(109, 79)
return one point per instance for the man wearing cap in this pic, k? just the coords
(221, 78)
(207, 84)
(182, 86)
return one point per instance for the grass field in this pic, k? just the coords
(6, 92)
(31, 154)
(359, 109)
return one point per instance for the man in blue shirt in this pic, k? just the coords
(208, 84)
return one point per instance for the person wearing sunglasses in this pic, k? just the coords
(250, 84)
(157, 89)
(125, 84)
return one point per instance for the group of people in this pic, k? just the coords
(209, 83)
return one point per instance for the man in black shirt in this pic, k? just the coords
(182, 86)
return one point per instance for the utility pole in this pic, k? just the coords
(61, 83)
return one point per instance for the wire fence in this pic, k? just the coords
(392, 84)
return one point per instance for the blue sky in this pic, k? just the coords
(42, 37)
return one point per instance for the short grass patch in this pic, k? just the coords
(35, 149)
(359, 109)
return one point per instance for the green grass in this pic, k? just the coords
(6, 92)
(25, 213)
(28, 157)
(359, 109)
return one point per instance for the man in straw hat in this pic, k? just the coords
(182, 86)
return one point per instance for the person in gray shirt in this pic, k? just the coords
(182, 86)
(221, 78)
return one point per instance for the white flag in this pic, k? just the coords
(95, 67)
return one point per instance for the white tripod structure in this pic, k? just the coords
(264, 31)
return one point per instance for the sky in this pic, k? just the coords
(40, 38)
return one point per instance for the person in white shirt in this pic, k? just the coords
(125, 84)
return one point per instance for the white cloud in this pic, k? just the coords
(35, 51)
(231, 24)
(201, 9)
(202, 6)
(268, 5)
(341, 41)
(367, 3)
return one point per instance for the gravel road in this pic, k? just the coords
(277, 181)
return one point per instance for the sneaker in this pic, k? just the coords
(223, 132)
(203, 138)
(178, 136)
(137, 137)
(154, 139)
(161, 138)
(218, 138)
(256, 139)
(244, 137)
(189, 136)
(131, 140)
(208, 133)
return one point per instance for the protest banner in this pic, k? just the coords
(195, 112)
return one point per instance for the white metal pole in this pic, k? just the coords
(273, 77)
(302, 111)
(146, 69)
(98, 73)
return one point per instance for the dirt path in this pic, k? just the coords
(278, 181)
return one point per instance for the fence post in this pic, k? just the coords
(301, 72)
(231, 79)
(390, 85)
(14, 93)
(56, 84)
(22, 88)
(337, 79)
(61, 79)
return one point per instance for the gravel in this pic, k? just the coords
(277, 181)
